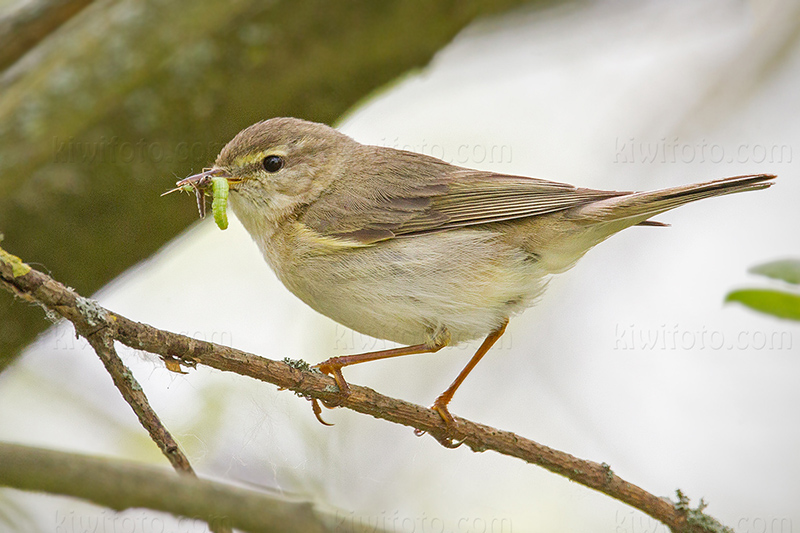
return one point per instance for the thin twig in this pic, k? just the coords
(103, 344)
(132, 392)
(38, 287)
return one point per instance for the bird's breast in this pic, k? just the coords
(407, 289)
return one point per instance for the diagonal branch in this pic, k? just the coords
(132, 392)
(103, 344)
(37, 287)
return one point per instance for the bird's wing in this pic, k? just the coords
(402, 198)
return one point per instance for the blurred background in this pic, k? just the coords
(630, 358)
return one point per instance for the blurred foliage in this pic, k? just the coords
(779, 303)
(105, 113)
(25, 23)
(787, 270)
(772, 302)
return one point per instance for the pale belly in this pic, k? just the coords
(464, 283)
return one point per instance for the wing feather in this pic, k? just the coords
(409, 194)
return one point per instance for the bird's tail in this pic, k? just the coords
(638, 207)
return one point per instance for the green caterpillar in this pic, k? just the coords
(219, 202)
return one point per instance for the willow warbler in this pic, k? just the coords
(409, 248)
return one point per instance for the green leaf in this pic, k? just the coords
(785, 269)
(772, 302)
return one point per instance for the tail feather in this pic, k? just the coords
(638, 207)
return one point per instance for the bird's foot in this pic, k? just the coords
(332, 368)
(449, 437)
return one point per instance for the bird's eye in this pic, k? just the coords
(272, 163)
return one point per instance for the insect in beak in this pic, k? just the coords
(198, 184)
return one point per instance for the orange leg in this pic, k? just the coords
(440, 405)
(333, 366)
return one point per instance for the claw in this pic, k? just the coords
(450, 443)
(344, 390)
(318, 412)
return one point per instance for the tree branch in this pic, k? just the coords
(132, 392)
(122, 485)
(35, 286)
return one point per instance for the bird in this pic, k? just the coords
(406, 247)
